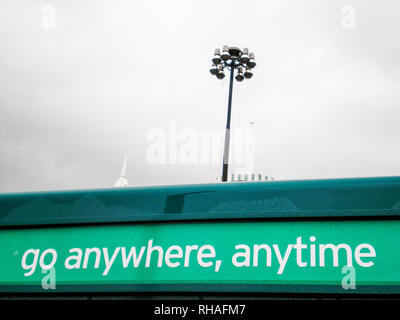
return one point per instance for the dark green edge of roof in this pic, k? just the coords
(204, 288)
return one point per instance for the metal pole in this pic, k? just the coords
(228, 128)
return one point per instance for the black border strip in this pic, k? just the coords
(202, 288)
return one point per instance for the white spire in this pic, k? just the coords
(122, 180)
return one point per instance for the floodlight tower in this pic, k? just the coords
(231, 58)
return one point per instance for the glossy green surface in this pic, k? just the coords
(219, 264)
(217, 216)
(307, 198)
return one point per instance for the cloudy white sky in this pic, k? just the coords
(85, 83)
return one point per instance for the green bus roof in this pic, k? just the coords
(350, 197)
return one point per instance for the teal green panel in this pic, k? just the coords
(377, 268)
(356, 197)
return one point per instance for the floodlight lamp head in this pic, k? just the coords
(217, 56)
(240, 76)
(225, 54)
(214, 69)
(251, 63)
(248, 73)
(244, 58)
(220, 75)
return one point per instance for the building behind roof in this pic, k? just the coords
(123, 179)
(250, 177)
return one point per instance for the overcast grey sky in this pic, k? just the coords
(85, 83)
